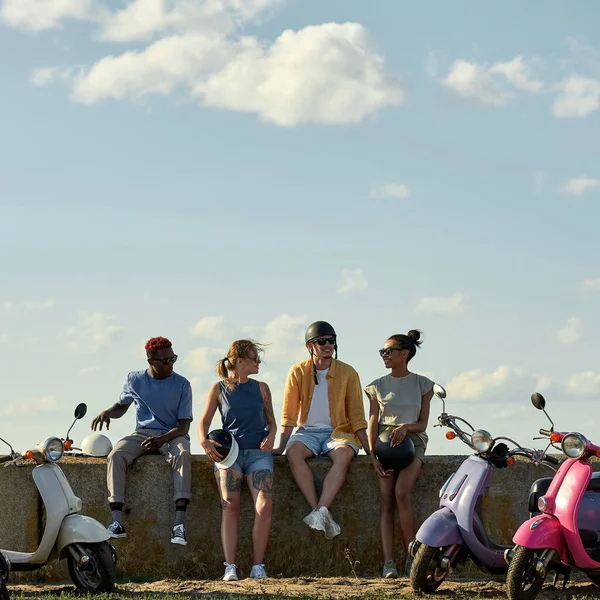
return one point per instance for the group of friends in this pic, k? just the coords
(322, 402)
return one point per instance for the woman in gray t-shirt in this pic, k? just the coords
(399, 404)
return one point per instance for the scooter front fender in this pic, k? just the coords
(440, 529)
(543, 531)
(79, 529)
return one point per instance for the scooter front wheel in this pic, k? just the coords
(426, 574)
(98, 574)
(522, 580)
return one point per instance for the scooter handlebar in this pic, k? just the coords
(551, 460)
(545, 432)
(7, 458)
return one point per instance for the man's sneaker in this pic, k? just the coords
(116, 530)
(332, 529)
(258, 572)
(315, 520)
(178, 535)
(390, 570)
(230, 572)
(408, 567)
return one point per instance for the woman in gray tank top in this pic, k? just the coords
(246, 412)
(400, 407)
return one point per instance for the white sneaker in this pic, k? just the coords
(332, 529)
(315, 520)
(258, 572)
(230, 572)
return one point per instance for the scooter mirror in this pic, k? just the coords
(538, 401)
(80, 411)
(439, 391)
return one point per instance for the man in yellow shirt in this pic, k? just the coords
(323, 398)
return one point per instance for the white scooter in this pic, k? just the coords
(67, 534)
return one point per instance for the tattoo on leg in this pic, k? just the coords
(232, 483)
(263, 481)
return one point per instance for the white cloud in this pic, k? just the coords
(285, 336)
(158, 69)
(488, 85)
(39, 304)
(580, 185)
(441, 304)
(543, 383)
(571, 332)
(43, 404)
(92, 332)
(43, 76)
(351, 280)
(586, 383)
(36, 15)
(210, 327)
(472, 384)
(591, 284)
(579, 97)
(9, 306)
(204, 359)
(390, 190)
(324, 74)
(141, 19)
(87, 371)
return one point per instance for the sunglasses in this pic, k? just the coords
(166, 361)
(388, 351)
(255, 359)
(323, 341)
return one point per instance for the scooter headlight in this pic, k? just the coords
(574, 445)
(482, 440)
(52, 449)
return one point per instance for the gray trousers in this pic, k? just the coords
(177, 453)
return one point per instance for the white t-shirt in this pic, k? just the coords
(318, 414)
(399, 398)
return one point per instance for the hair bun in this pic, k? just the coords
(414, 334)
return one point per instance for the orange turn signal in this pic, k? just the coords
(510, 461)
(597, 452)
(555, 437)
(29, 454)
(68, 445)
(450, 435)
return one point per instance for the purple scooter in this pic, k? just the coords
(456, 531)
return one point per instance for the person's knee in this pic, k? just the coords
(343, 455)
(264, 505)
(403, 497)
(387, 504)
(116, 456)
(230, 505)
(297, 453)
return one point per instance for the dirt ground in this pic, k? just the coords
(331, 588)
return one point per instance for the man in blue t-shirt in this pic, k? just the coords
(163, 412)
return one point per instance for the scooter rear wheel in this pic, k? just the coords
(522, 580)
(100, 574)
(3, 592)
(4, 595)
(426, 575)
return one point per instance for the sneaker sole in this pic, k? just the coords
(391, 576)
(230, 579)
(118, 535)
(179, 542)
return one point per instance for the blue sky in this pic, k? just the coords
(213, 169)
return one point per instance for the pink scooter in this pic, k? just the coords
(566, 534)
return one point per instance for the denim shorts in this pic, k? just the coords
(251, 460)
(318, 440)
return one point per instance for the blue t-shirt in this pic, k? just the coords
(159, 403)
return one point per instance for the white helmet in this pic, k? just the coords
(96, 444)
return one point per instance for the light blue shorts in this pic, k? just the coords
(249, 461)
(318, 441)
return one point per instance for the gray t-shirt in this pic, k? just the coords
(400, 398)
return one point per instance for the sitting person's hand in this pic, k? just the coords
(278, 451)
(379, 467)
(398, 434)
(268, 443)
(211, 452)
(101, 419)
(154, 443)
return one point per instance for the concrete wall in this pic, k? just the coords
(294, 548)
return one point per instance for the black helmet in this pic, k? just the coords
(317, 329)
(397, 457)
(228, 447)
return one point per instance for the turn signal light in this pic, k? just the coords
(555, 437)
(597, 452)
(29, 454)
(450, 435)
(510, 461)
(68, 445)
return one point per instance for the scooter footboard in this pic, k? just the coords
(543, 531)
(79, 529)
(440, 529)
